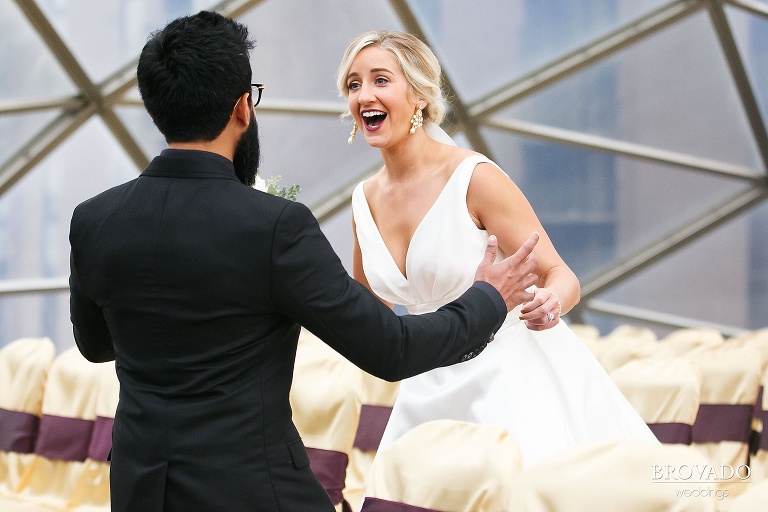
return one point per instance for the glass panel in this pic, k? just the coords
(720, 278)
(35, 212)
(28, 68)
(751, 33)
(599, 208)
(34, 227)
(673, 91)
(138, 122)
(297, 60)
(516, 36)
(757, 241)
(36, 316)
(653, 200)
(121, 28)
(17, 129)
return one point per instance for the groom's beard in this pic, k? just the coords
(246, 158)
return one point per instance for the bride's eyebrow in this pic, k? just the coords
(374, 70)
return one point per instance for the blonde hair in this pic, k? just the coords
(419, 64)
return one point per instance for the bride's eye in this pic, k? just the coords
(351, 86)
(381, 80)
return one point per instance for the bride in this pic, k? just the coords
(421, 225)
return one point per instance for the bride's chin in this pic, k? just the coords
(374, 141)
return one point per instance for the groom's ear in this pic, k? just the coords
(242, 111)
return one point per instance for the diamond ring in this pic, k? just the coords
(550, 317)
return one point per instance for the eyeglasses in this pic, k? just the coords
(256, 88)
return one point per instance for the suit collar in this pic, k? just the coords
(188, 163)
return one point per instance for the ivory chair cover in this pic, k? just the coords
(615, 354)
(24, 365)
(759, 461)
(685, 341)
(760, 335)
(729, 387)
(378, 397)
(585, 332)
(325, 399)
(631, 335)
(446, 466)
(758, 340)
(69, 413)
(753, 499)
(615, 476)
(91, 494)
(626, 343)
(665, 392)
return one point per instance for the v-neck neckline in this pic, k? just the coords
(380, 238)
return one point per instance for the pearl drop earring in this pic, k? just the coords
(417, 120)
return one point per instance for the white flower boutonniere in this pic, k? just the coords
(270, 186)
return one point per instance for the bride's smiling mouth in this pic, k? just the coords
(373, 118)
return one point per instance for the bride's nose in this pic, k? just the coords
(367, 94)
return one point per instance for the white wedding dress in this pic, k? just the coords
(545, 387)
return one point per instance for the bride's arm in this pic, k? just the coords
(499, 206)
(357, 265)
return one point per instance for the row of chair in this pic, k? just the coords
(56, 415)
(452, 466)
(57, 411)
(692, 388)
(340, 412)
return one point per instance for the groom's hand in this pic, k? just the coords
(512, 276)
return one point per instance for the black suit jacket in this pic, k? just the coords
(197, 286)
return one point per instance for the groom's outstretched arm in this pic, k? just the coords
(310, 285)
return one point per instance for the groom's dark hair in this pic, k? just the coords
(191, 74)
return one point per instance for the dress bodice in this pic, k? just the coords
(443, 253)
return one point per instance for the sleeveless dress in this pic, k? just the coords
(545, 388)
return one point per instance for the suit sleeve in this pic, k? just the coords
(310, 285)
(88, 324)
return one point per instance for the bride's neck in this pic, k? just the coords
(412, 161)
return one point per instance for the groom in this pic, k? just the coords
(197, 286)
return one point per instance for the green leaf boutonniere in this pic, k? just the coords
(270, 186)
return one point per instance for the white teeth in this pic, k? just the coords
(373, 113)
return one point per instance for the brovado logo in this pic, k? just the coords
(699, 473)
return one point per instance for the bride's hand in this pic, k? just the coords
(543, 312)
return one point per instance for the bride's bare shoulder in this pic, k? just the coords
(455, 155)
(462, 152)
(373, 183)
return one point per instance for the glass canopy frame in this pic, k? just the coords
(467, 117)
